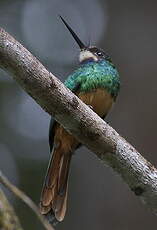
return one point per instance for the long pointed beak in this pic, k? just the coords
(79, 42)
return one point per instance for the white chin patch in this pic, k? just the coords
(85, 55)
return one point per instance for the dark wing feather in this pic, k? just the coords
(51, 133)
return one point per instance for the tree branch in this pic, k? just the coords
(17, 192)
(79, 119)
(8, 218)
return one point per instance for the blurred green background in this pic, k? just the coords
(125, 29)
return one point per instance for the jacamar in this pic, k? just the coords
(96, 82)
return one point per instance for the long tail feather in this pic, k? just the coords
(54, 194)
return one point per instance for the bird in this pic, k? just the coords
(96, 82)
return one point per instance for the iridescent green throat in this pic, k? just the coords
(93, 75)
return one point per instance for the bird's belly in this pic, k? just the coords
(100, 100)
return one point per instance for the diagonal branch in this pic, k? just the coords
(8, 218)
(79, 119)
(21, 195)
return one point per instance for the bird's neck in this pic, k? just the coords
(92, 62)
(86, 61)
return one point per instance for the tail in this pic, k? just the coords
(54, 194)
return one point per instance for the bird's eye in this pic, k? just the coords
(99, 54)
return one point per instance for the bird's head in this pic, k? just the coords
(87, 53)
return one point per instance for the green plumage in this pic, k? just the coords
(93, 75)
